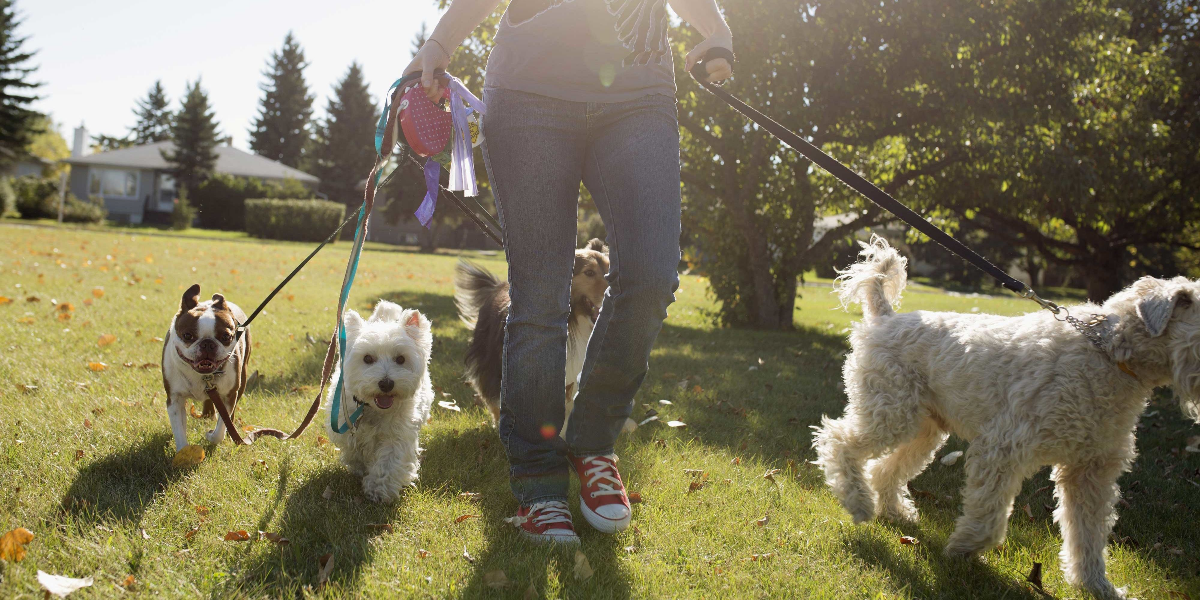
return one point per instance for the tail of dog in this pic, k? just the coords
(474, 288)
(875, 281)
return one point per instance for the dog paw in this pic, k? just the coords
(381, 495)
(213, 437)
(900, 512)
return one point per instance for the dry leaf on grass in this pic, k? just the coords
(1193, 444)
(495, 579)
(106, 340)
(5, 300)
(97, 366)
(142, 530)
(78, 454)
(770, 475)
(630, 549)
(388, 527)
(279, 540)
(676, 424)
(61, 586)
(98, 292)
(763, 521)
(190, 456)
(191, 533)
(1035, 575)
(1028, 511)
(908, 540)
(328, 493)
(192, 411)
(451, 405)
(87, 423)
(422, 553)
(758, 557)
(130, 583)
(531, 592)
(237, 536)
(467, 556)
(635, 497)
(583, 569)
(324, 568)
(462, 518)
(322, 440)
(952, 457)
(12, 545)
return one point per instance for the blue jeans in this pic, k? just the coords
(538, 150)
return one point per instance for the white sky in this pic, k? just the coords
(96, 57)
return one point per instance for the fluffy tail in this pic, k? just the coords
(474, 288)
(875, 281)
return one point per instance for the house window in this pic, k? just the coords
(166, 192)
(113, 183)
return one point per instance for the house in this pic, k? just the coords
(136, 185)
(27, 164)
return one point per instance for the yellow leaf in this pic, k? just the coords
(64, 316)
(495, 579)
(66, 307)
(583, 570)
(324, 568)
(12, 545)
(129, 583)
(98, 291)
(202, 510)
(274, 537)
(5, 300)
(190, 456)
(97, 366)
(149, 259)
(106, 340)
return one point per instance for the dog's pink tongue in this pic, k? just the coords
(384, 402)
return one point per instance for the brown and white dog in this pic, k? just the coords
(200, 345)
(483, 303)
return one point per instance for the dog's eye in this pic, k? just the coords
(590, 273)
(188, 337)
(369, 359)
(224, 338)
(400, 359)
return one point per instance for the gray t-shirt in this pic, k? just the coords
(583, 50)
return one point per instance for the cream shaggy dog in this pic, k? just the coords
(1025, 391)
(386, 371)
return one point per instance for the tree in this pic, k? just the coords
(18, 122)
(195, 135)
(344, 150)
(49, 145)
(281, 131)
(153, 117)
(104, 143)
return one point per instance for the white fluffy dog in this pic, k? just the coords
(386, 372)
(1025, 391)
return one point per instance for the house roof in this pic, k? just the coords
(230, 161)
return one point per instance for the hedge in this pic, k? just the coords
(220, 200)
(294, 220)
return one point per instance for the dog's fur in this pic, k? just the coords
(1025, 391)
(386, 367)
(483, 303)
(200, 341)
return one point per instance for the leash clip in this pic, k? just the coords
(1029, 294)
(208, 381)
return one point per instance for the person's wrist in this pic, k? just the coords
(441, 47)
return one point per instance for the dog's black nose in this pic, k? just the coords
(386, 384)
(208, 345)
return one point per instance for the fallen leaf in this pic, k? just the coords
(763, 521)
(128, 365)
(676, 424)
(78, 454)
(770, 475)
(531, 592)
(202, 510)
(64, 316)
(87, 302)
(635, 497)
(61, 586)
(106, 340)
(695, 485)
(190, 456)
(237, 536)
(467, 556)
(142, 530)
(451, 405)
(156, 340)
(65, 307)
(756, 557)
(908, 540)
(33, 299)
(324, 568)
(129, 583)
(952, 457)
(328, 493)
(697, 389)
(1028, 511)
(422, 553)
(5, 300)
(469, 495)
(1193, 444)
(495, 579)
(279, 540)
(648, 419)
(12, 545)
(98, 292)
(29, 389)
(87, 423)
(464, 518)
(192, 532)
(192, 411)
(322, 440)
(97, 366)
(1035, 575)
(583, 570)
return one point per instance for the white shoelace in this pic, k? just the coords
(544, 513)
(602, 471)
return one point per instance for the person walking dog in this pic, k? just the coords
(579, 91)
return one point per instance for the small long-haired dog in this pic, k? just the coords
(1025, 391)
(200, 344)
(386, 371)
(483, 303)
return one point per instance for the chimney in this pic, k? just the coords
(80, 147)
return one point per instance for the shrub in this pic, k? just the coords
(8, 198)
(36, 198)
(295, 220)
(83, 211)
(220, 200)
(183, 212)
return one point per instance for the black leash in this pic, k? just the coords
(860, 184)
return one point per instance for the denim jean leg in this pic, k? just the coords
(632, 171)
(534, 151)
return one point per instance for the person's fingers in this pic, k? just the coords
(693, 57)
(718, 70)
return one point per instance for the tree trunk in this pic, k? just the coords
(765, 313)
(1102, 274)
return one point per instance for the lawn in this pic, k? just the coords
(85, 455)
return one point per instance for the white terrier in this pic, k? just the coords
(387, 373)
(1025, 391)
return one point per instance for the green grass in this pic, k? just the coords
(85, 457)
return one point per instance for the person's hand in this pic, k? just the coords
(431, 57)
(718, 69)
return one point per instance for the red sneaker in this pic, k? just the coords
(546, 522)
(602, 498)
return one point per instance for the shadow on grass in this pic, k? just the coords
(119, 487)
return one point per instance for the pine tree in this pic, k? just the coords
(344, 152)
(153, 117)
(195, 135)
(281, 131)
(18, 123)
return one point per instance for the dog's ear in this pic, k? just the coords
(353, 323)
(386, 311)
(420, 328)
(190, 298)
(597, 244)
(218, 302)
(414, 318)
(1157, 302)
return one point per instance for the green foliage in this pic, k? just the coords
(154, 117)
(294, 220)
(344, 151)
(591, 226)
(281, 130)
(18, 122)
(195, 135)
(220, 200)
(104, 143)
(84, 211)
(36, 197)
(8, 198)
(182, 213)
(48, 144)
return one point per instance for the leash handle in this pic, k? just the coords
(699, 70)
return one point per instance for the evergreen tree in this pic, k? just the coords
(195, 135)
(18, 123)
(344, 152)
(153, 117)
(281, 131)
